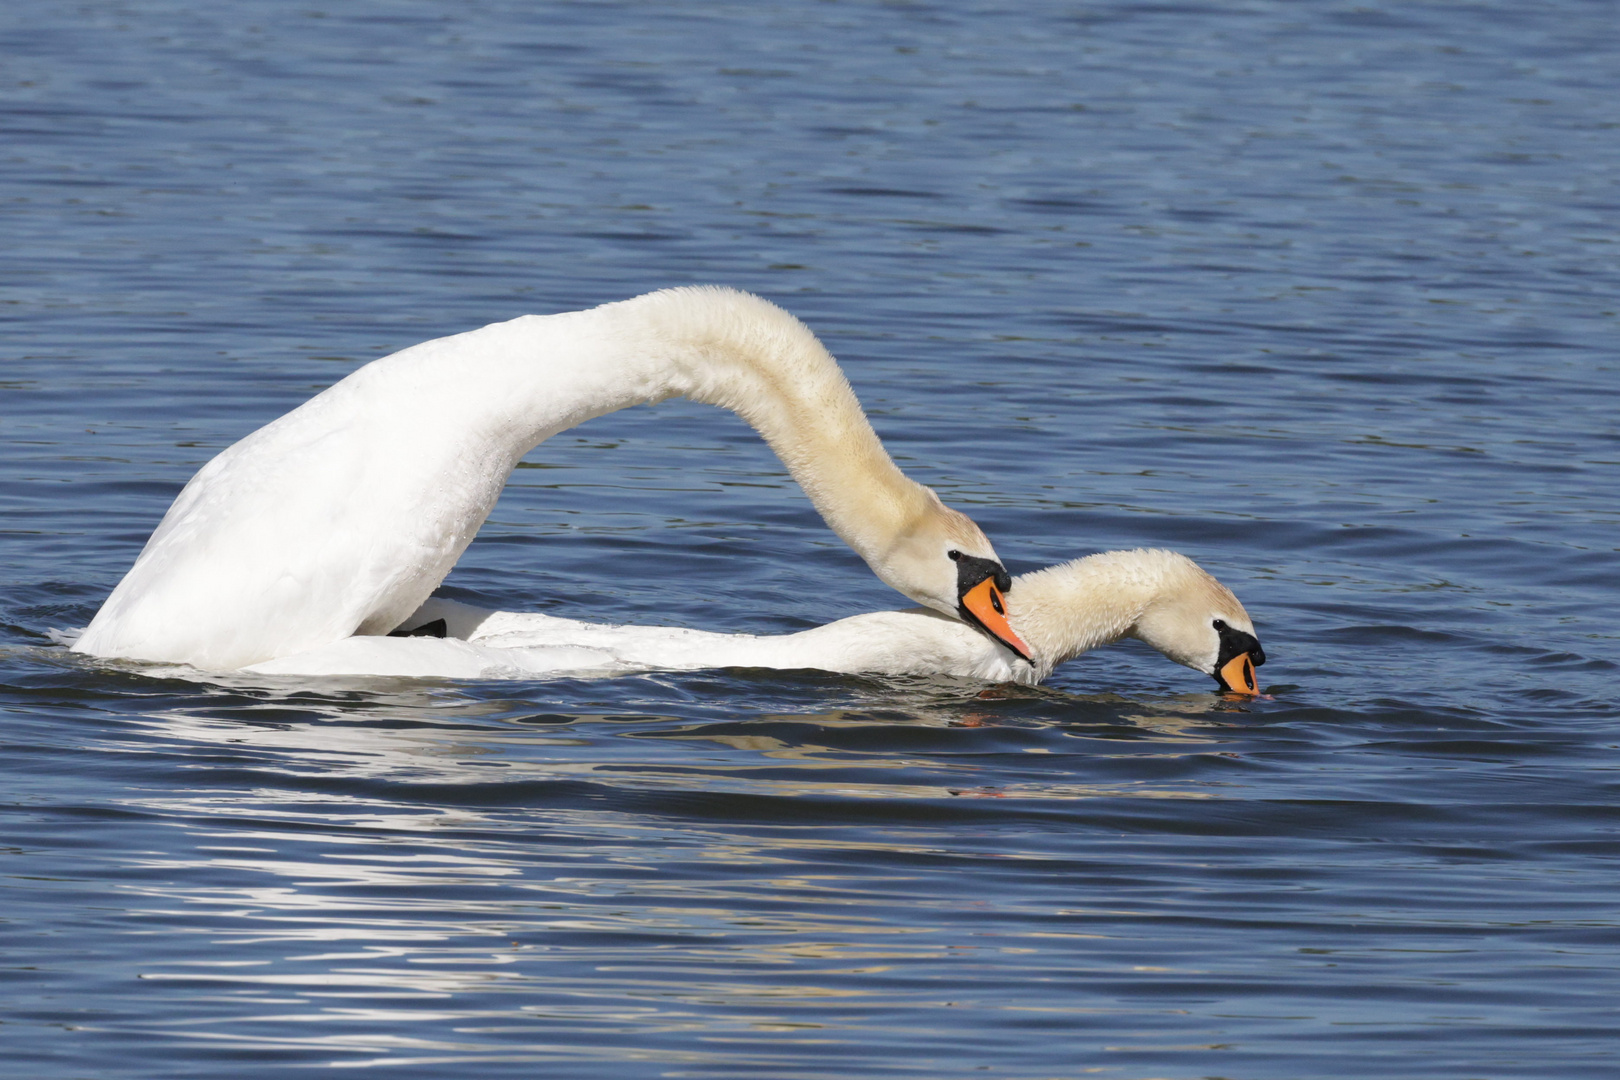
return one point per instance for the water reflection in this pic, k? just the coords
(698, 873)
(583, 890)
(430, 736)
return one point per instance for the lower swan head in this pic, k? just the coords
(1160, 597)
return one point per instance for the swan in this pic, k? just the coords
(1160, 597)
(342, 517)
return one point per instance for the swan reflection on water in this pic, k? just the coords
(425, 735)
(377, 848)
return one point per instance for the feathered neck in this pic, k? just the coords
(745, 354)
(1065, 610)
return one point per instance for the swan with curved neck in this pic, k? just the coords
(1160, 597)
(341, 517)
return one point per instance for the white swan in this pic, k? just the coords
(341, 517)
(1160, 597)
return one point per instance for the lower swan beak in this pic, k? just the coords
(1237, 677)
(983, 607)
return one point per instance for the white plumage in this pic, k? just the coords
(341, 517)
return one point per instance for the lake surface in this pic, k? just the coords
(1323, 295)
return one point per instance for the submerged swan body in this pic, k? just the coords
(342, 517)
(1160, 597)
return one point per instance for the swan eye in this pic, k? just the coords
(953, 555)
(1219, 624)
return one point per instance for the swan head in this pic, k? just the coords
(943, 560)
(1160, 597)
(1198, 622)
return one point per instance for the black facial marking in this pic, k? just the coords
(970, 570)
(1235, 643)
(436, 628)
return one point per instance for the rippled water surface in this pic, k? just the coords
(1321, 294)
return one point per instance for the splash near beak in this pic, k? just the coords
(1237, 676)
(983, 607)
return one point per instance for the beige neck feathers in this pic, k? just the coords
(744, 354)
(1065, 610)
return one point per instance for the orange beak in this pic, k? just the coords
(983, 606)
(1237, 676)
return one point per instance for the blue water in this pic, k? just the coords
(1322, 294)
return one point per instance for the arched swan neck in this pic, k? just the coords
(1065, 610)
(739, 352)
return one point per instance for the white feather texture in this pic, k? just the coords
(341, 517)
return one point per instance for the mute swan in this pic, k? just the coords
(1161, 597)
(341, 517)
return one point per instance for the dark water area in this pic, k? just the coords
(1323, 295)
